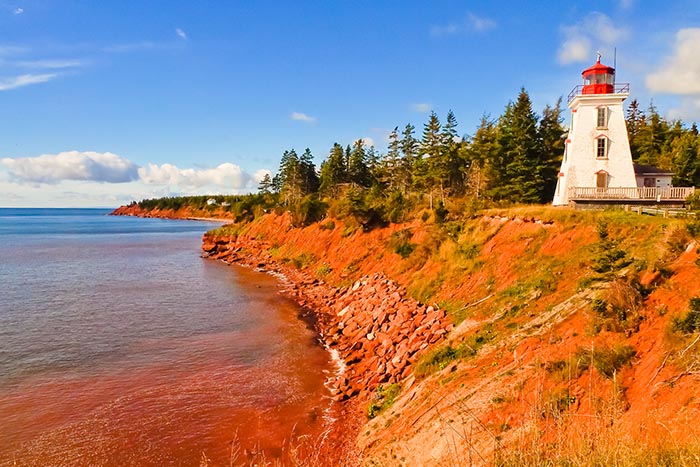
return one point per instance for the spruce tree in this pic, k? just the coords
(391, 162)
(290, 177)
(482, 153)
(635, 121)
(686, 160)
(552, 136)
(429, 170)
(334, 172)
(358, 171)
(652, 137)
(266, 185)
(309, 178)
(453, 159)
(409, 147)
(517, 172)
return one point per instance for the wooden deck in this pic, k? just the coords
(631, 195)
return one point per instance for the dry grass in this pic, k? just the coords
(301, 451)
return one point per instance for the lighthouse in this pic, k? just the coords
(597, 153)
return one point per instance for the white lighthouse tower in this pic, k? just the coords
(597, 152)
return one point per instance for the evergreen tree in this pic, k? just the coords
(290, 177)
(552, 136)
(686, 160)
(429, 172)
(334, 172)
(309, 177)
(635, 121)
(373, 165)
(358, 171)
(481, 152)
(516, 175)
(453, 160)
(266, 185)
(652, 137)
(391, 163)
(409, 147)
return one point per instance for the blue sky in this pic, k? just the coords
(104, 102)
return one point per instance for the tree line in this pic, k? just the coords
(668, 145)
(512, 158)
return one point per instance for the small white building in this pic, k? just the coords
(597, 151)
(652, 177)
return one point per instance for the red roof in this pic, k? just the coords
(598, 69)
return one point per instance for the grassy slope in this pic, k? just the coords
(532, 369)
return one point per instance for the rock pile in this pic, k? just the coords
(376, 329)
(378, 332)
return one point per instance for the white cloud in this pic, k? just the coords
(472, 23)
(302, 117)
(71, 165)
(479, 23)
(679, 73)
(421, 107)
(626, 4)
(689, 110)
(595, 30)
(445, 30)
(25, 80)
(132, 47)
(260, 174)
(18, 11)
(367, 141)
(50, 64)
(576, 49)
(226, 176)
(11, 50)
(181, 33)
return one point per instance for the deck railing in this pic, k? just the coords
(630, 193)
(619, 88)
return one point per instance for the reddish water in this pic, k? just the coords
(162, 368)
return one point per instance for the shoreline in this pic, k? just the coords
(373, 327)
(342, 418)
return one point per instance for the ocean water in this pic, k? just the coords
(120, 346)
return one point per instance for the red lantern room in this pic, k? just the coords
(598, 79)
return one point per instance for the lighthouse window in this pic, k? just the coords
(602, 117)
(601, 179)
(601, 148)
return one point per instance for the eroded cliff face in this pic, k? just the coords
(521, 345)
(216, 212)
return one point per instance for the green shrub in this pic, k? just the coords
(441, 212)
(400, 243)
(309, 210)
(599, 305)
(439, 358)
(606, 360)
(303, 260)
(330, 225)
(690, 322)
(609, 360)
(383, 399)
(324, 270)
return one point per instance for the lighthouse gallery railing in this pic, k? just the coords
(632, 193)
(621, 88)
